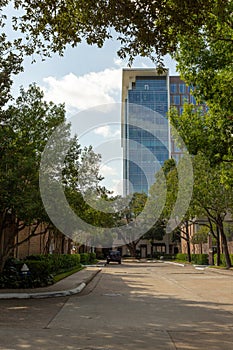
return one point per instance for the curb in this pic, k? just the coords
(173, 263)
(53, 294)
(221, 271)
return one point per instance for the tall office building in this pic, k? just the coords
(146, 139)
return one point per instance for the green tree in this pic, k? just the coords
(157, 231)
(205, 60)
(210, 142)
(10, 61)
(27, 127)
(129, 216)
(146, 28)
(200, 236)
(207, 132)
(211, 198)
(10, 64)
(198, 35)
(205, 63)
(168, 179)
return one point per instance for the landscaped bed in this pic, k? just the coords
(42, 270)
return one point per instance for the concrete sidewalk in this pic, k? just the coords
(68, 286)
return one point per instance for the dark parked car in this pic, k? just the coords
(114, 255)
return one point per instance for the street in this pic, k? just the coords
(132, 306)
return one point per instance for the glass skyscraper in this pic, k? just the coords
(145, 130)
(146, 139)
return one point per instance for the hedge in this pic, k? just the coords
(182, 257)
(223, 259)
(199, 259)
(158, 255)
(39, 274)
(41, 270)
(92, 257)
(56, 263)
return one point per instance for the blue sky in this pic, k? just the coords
(86, 77)
(84, 66)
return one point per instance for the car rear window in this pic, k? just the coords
(114, 253)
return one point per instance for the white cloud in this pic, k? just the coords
(117, 187)
(112, 178)
(107, 170)
(119, 62)
(83, 92)
(106, 131)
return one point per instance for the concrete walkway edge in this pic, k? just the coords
(51, 294)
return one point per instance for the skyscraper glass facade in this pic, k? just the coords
(145, 128)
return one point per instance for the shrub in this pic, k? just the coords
(36, 257)
(41, 270)
(100, 256)
(84, 258)
(169, 256)
(44, 267)
(157, 255)
(182, 257)
(92, 257)
(200, 259)
(39, 274)
(10, 277)
(57, 262)
(223, 259)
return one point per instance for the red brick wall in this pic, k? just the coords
(48, 242)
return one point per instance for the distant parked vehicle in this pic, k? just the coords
(114, 255)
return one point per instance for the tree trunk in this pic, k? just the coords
(210, 249)
(132, 248)
(218, 248)
(7, 234)
(188, 241)
(48, 242)
(3, 259)
(217, 237)
(224, 244)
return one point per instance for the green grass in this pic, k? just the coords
(220, 267)
(181, 261)
(60, 276)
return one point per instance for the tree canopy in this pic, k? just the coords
(25, 130)
(199, 35)
(146, 28)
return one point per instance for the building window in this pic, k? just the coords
(176, 99)
(159, 247)
(173, 88)
(182, 88)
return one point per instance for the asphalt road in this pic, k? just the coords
(128, 307)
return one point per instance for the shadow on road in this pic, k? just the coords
(125, 308)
